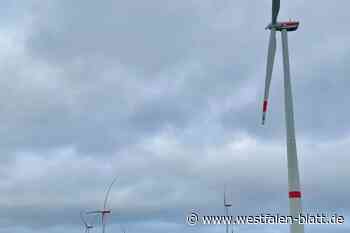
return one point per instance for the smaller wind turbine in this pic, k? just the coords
(227, 206)
(86, 225)
(105, 210)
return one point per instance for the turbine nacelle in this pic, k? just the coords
(280, 26)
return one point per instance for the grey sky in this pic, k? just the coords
(167, 96)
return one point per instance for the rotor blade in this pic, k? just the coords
(83, 220)
(275, 10)
(269, 69)
(225, 195)
(107, 193)
(94, 212)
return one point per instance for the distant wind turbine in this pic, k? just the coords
(293, 171)
(227, 206)
(105, 210)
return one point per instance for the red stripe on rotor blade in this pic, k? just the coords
(265, 106)
(295, 194)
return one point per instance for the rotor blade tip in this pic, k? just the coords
(263, 118)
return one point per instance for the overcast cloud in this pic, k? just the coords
(167, 96)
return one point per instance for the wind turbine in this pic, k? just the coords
(86, 225)
(104, 211)
(227, 206)
(293, 171)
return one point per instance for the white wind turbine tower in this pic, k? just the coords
(293, 171)
(105, 210)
